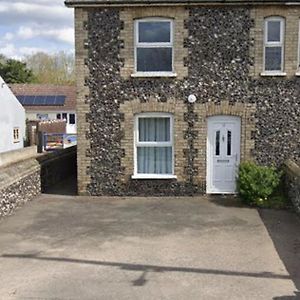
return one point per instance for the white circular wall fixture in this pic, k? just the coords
(192, 98)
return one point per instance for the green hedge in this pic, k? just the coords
(256, 184)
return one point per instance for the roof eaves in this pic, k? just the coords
(80, 3)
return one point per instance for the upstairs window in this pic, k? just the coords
(274, 44)
(154, 46)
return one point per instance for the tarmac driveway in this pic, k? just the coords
(63, 247)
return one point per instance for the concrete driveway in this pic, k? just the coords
(64, 247)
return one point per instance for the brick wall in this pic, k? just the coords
(26, 175)
(19, 183)
(292, 181)
(82, 104)
(217, 59)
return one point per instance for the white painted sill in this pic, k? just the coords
(153, 74)
(297, 73)
(275, 74)
(153, 176)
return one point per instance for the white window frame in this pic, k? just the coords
(42, 117)
(274, 44)
(67, 119)
(16, 137)
(137, 44)
(137, 144)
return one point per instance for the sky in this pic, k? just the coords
(30, 26)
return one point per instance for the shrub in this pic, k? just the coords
(257, 183)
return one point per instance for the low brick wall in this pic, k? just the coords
(24, 179)
(19, 183)
(11, 157)
(292, 180)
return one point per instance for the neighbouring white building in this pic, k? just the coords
(48, 102)
(12, 120)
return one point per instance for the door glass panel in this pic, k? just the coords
(228, 142)
(217, 143)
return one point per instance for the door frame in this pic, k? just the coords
(209, 160)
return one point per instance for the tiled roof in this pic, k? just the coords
(47, 90)
(183, 2)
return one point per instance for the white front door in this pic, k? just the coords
(223, 153)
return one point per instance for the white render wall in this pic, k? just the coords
(12, 114)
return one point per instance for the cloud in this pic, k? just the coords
(8, 50)
(30, 50)
(28, 26)
(64, 35)
(46, 2)
(8, 36)
(11, 51)
(43, 12)
(26, 33)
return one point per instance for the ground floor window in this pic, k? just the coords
(153, 145)
(42, 117)
(16, 134)
(69, 118)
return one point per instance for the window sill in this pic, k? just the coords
(275, 74)
(297, 73)
(153, 176)
(153, 74)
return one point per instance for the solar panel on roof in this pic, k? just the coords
(40, 100)
(29, 100)
(50, 100)
(21, 99)
(60, 100)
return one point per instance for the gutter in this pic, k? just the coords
(91, 3)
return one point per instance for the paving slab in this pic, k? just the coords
(67, 247)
